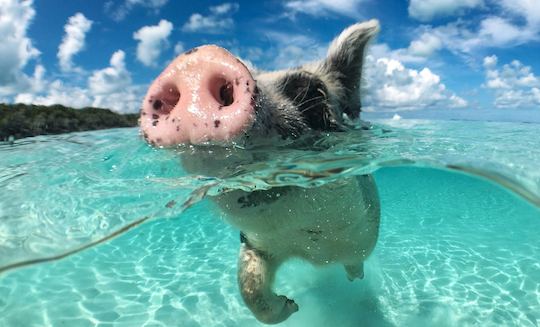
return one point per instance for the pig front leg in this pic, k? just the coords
(355, 271)
(256, 271)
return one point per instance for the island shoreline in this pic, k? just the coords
(21, 120)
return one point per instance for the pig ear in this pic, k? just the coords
(345, 59)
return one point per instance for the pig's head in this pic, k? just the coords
(208, 96)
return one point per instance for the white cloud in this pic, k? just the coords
(426, 10)
(110, 87)
(528, 9)
(390, 86)
(37, 81)
(111, 79)
(348, 8)
(73, 41)
(152, 40)
(179, 48)
(500, 32)
(515, 85)
(254, 53)
(58, 93)
(120, 11)
(492, 32)
(290, 50)
(215, 23)
(490, 61)
(16, 49)
(382, 50)
(509, 23)
(128, 100)
(224, 8)
(418, 51)
(425, 45)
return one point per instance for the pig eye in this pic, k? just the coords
(309, 94)
(304, 89)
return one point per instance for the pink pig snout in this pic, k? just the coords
(204, 95)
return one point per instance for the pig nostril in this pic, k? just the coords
(157, 104)
(166, 99)
(222, 91)
(226, 94)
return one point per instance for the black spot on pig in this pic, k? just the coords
(155, 116)
(216, 123)
(256, 198)
(190, 51)
(155, 122)
(157, 104)
(245, 203)
(312, 231)
(178, 128)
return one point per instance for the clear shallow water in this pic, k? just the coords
(454, 250)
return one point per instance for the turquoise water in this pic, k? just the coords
(455, 249)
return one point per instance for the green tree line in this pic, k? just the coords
(21, 120)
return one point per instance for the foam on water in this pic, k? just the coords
(453, 250)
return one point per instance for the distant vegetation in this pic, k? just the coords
(20, 120)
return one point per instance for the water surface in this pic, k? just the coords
(458, 244)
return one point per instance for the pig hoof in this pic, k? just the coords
(289, 307)
(355, 272)
(278, 311)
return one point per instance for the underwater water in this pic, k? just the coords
(458, 243)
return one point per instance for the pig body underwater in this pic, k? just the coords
(207, 96)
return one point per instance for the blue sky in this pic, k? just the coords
(432, 58)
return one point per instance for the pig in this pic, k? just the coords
(207, 97)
